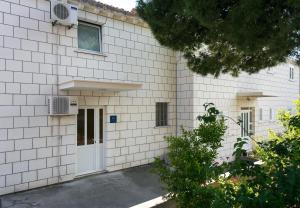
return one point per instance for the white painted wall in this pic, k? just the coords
(195, 90)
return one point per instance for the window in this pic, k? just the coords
(271, 114)
(89, 37)
(260, 114)
(291, 73)
(161, 114)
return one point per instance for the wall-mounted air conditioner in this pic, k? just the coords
(62, 105)
(63, 13)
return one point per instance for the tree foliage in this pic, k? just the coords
(226, 36)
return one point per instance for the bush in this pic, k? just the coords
(192, 162)
(275, 183)
(192, 166)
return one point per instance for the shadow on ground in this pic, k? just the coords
(118, 189)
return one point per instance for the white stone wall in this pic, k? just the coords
(34, 57)
(32, 53)
(194, 90)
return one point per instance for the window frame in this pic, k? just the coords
(159, 114)
(99, 27)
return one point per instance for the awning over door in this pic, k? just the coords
(98, 85)
(254, 94)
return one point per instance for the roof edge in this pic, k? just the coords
(105, 10)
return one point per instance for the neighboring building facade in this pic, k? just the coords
(254, 98)
(131, 93)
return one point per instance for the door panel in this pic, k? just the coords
(86, 159)
(247, 127)
(89, 140)
(100, 141)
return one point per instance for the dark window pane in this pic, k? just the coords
(90, 126)
(161, 114)
(88, 37)
(101, 126)
(80, 127)
(157, 114)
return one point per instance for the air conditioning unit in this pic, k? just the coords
(63, 13)
(62, 105)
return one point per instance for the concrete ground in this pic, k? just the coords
(119, 189)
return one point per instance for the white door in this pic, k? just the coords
(89, 140)
(247, 126)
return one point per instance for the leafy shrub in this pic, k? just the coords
(192, 162)
(276, 182)
(192, 166)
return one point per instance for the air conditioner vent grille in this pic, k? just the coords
(60, 105)
(61, 11)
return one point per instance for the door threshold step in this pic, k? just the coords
(89, 174)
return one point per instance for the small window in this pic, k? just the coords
(291, 73)
(260, 114)
(89, 37)
(271, 114)
(161, 114)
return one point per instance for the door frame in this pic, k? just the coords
(244, 128)
(104, 141)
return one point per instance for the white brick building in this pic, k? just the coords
(38, 60)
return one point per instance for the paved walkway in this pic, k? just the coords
(119, 189)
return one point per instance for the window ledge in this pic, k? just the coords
(167, 126)
(90, 52)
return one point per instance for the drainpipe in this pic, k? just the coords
(59, 118)
(176, 97)
(57, 94)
